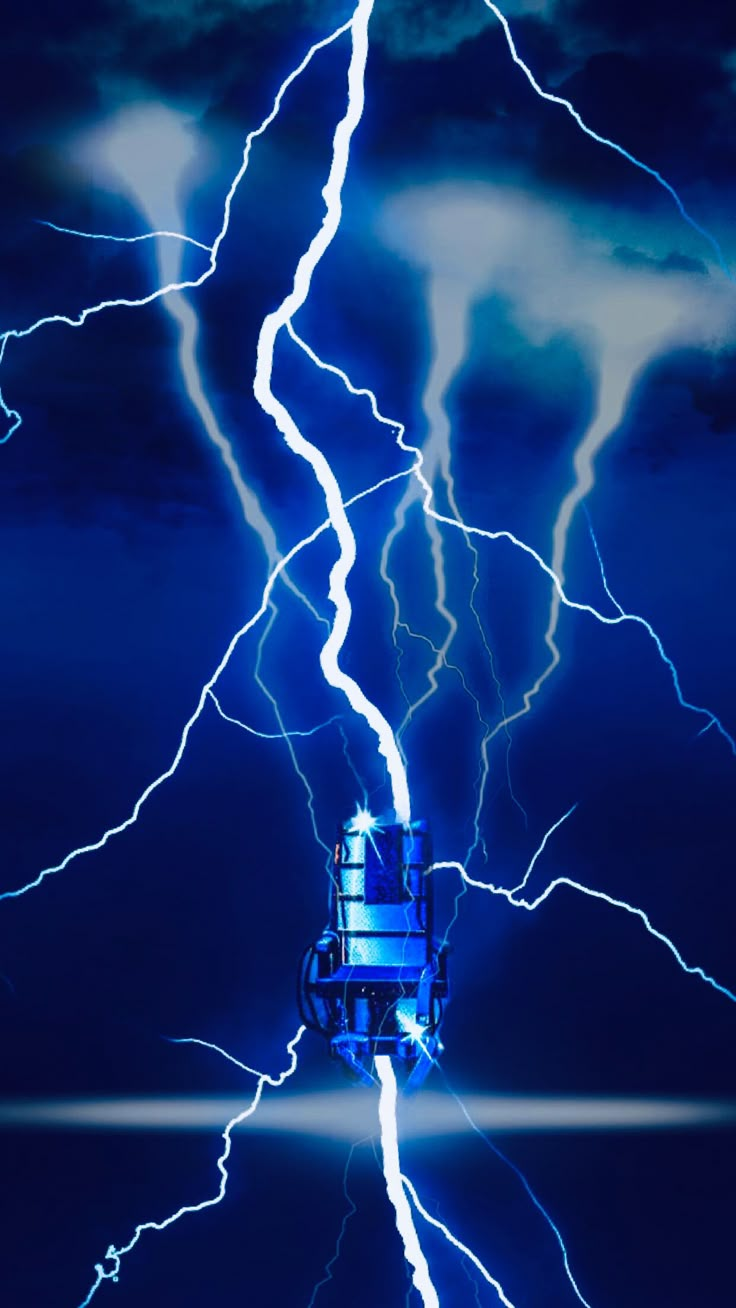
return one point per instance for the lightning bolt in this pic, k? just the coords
(272, 325)
(115, 1254)
(184, 315)
(603, 140)
(398, 1186)
(453, 1240)
(486, 1139)
(395, 1183)
(268, 735)
(713, 721)
(12, 416)
(126, 240)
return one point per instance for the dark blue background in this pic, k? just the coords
(126, 570)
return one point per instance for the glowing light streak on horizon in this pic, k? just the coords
(338, 1116)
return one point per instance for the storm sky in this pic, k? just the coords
(561, 343)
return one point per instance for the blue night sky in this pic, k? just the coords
(515, 294)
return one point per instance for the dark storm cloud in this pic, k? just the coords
(409, 29)
(209, 41)
(146, 34)
(713, 393)
(658, 25)
(672, 262)
(657, 77)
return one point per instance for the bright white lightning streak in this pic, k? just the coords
(273, 323)
(217, 1049)
(603, 140)
(123, 303)
(206, 689)
(395, 1183)
(268, 735)
(440, 1226)
(511, 897)
(541, 848)
(125, 240)
(114, 1254)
